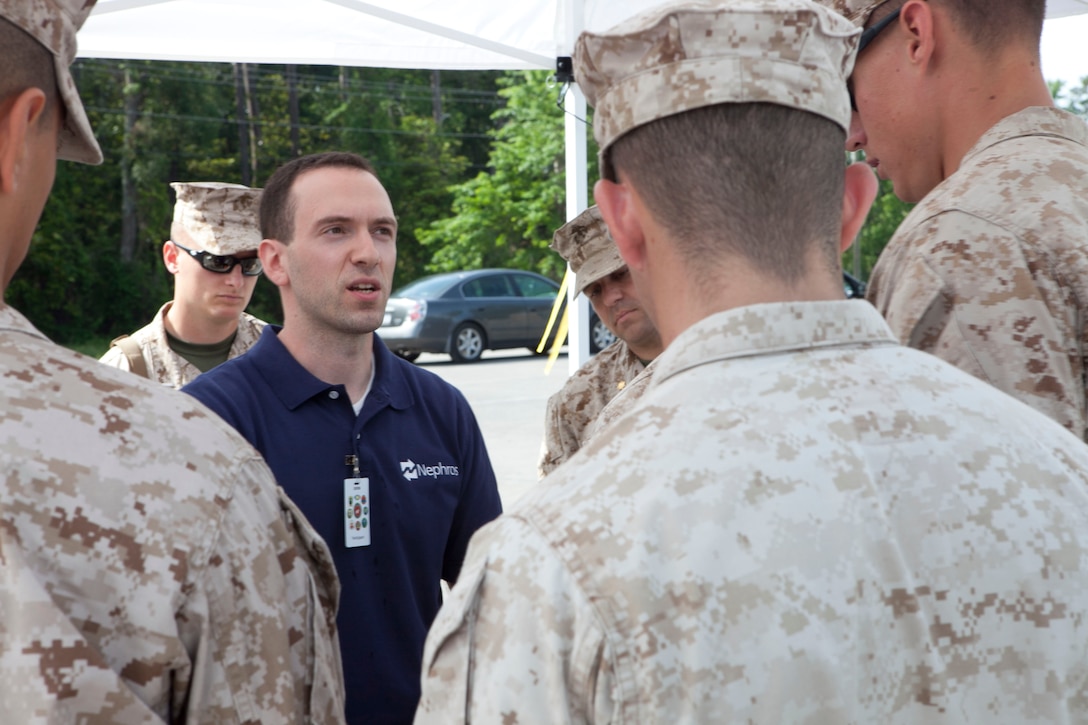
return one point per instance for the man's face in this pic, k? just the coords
(616, 302)
(205, 294)
(892, 120)
(340, 263)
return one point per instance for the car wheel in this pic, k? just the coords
(405, 355)
(600, 336)
(853, 287)
(467, 343)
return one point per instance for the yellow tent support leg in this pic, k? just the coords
(561, 330)
(560, 335)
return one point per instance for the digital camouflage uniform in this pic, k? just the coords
(801, 521)
(150, 568)
(623, 401)
(573, 408)
(856, 533)
(165, 365)
(990, 270)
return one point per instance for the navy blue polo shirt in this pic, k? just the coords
(431, 486)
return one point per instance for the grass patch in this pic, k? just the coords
(95, 347)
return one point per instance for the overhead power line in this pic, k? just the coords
(282, 124)
(271, 77)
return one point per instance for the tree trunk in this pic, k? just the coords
(254, 124)
(292, 108)
(436, 99)
(129, 220)
(242, 112)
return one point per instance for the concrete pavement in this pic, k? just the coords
(508, 392)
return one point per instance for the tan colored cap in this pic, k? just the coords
(856, 11)
(220, 218)
(687, 55)
(587, 246)
(54, 23)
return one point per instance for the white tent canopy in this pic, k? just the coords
(477, 35)
(1065, 8)
(426, 34)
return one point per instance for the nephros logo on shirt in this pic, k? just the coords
(413, 470)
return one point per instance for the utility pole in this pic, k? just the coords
(436, 99)
(129, 222)
(241, 90)
(292, 108)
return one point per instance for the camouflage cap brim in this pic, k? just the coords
(856, 11)
(76, 142)
(585, 243)
(54, 24)
(598, 267)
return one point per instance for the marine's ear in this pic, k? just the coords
(19, 115)
(170, 256)
(617, 204)
(919, 23)
(858, 196)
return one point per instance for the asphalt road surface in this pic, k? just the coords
(508, 391)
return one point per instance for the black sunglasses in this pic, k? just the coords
(251, 266)
(867, 37)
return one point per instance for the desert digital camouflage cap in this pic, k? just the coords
(587, 246)
(856, 11)
(220, 218)
(687, 55)
(54, 23)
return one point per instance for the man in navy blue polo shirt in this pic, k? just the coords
(385, 459)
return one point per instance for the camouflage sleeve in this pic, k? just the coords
(49, 671)
(264, 636)
(317, 646)
(968, 295)
(560, 439)
(516, 641)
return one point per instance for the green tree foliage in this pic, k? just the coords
(884, 218)
(166, 122)
(506, 216)
(473, 161)
(1073, 98)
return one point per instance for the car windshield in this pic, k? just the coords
(426, 288)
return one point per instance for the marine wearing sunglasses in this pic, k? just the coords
(223, 264)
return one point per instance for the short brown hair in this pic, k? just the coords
(25, 63)
(988, 24)
(991, 24)
(277, 212)
(754, 179)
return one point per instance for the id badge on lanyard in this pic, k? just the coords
(357, 511)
